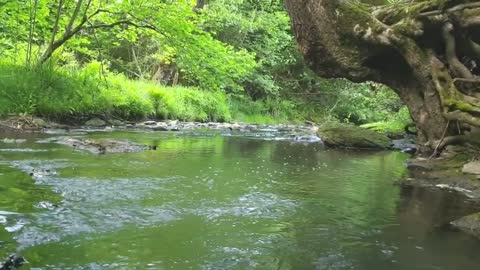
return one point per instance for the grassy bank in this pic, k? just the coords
(75, 94)
(69, 93)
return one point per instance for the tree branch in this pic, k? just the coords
(78, 7)
(450, 10)
(457, 67)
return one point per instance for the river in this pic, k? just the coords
(207, 201)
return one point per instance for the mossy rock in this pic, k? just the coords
(350, 136)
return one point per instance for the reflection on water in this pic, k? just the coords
(212, 202)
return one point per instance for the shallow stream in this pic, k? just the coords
(210, 201)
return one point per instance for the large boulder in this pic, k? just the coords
(473, 167)
(350, 136)
(469, 224)
(95, 122)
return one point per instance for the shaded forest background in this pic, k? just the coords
(221, 60)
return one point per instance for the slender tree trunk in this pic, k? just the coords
(200, 5)
(31, 32)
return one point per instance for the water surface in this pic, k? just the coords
(222, 202)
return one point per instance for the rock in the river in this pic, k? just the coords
(406, 145)
(160, 128)
(39, 122)
(42, 172)
(95, 122)
(8, 140)
(307, 139)
(469, 224)
(46, 205)
(105, 146)
(473, 167)
(14, 261)
(350, 136)
(149, 123)
(116, 122)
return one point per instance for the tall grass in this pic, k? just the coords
(268, 111)
(70, 92)
(60, 93)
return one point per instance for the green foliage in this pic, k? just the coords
(121, 59)
(263, 111)
(61, 93)
(395, 124)
(262, 28)
(363, 103)
(170, 31)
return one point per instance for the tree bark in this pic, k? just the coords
(426, 50)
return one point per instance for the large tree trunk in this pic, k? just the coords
(413, 46)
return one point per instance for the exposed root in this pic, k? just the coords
(458, 69)
(435, 151)
(462, 117)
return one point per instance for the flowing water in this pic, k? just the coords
(206, 201)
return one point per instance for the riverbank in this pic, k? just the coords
(456, 170)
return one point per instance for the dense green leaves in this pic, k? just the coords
(242, 48)
(99, 30)
(260, 27)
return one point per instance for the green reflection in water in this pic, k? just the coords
(211, 202)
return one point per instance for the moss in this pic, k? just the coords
(456, 104)
(470, 13)
(450, 96)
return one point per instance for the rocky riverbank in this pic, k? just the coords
(332, 134)
(457, 170)
(32, 124)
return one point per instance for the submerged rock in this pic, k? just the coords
(46, 205)
(14, 261)
(105, 146)
(468, 224)
(307, 139)
(42, 172)
(350, 136)
(17, 141)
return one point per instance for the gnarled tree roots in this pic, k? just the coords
(427, 50)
